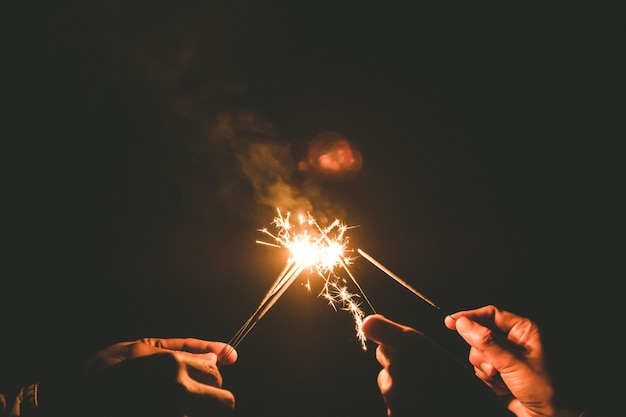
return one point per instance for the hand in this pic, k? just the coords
(507, 354)
(155, 377)
(421, 378)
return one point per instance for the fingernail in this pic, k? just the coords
(212, 357)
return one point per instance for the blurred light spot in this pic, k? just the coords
(332, 156)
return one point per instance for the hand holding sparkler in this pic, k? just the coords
(147, 377)
(507, 354)
(419, 377)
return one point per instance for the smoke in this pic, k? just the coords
(256, 171)
(261, 159)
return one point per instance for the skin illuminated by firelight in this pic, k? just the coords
(322, 250)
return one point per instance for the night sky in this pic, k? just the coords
(143, 143)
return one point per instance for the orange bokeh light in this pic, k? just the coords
(332, 156)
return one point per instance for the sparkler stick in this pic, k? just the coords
(270, 299)
(398, 279)
(284, 280)
(345, 267)
(322, 254)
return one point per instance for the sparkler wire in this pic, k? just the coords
(345, 267)
(399, 280)
(288, 275)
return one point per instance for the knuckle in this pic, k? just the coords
(483, 337)
(522, 331)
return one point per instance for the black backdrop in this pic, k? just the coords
(490, 175)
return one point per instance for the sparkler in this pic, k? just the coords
(321, 249)
(398, 279)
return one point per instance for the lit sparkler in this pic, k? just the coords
(321, 249)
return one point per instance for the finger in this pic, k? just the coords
(115, 354)
(227, 353)
(203, 400)
(450, 321)
(202, 370)
(483, 339)
(524, 334)
(382, 356)
(494, 318)
(479, 361)
(483, 315)
(519, 330)
(488, 373)
(227, 356)
(495, 382)
(382, 330)
(384, 381)
(186, 344)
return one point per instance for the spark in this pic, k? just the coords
(324, 250)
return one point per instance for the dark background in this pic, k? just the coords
(491, 175)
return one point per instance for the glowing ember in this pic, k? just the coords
(323, 250)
